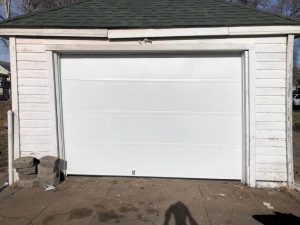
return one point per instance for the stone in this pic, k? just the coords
(46, 170)
(46, 177)
(49, 161)
(28, 183)
(24, 162)
(28, 177)
(27, 171)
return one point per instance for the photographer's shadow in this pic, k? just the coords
(180, 213)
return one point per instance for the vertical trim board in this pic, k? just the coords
(15, 100)
(289, 110)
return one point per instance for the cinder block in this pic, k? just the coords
(47, 170)
(28, 177)
(49, 161)
(27, 171)
(24, 162)
(28, 183)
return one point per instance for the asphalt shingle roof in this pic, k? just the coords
(148, 14)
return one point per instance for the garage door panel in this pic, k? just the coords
(162, 115)
(174, 66)
(153, 96)
(148, 128)
(163, 156)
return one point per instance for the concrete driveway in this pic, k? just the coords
(99, 200)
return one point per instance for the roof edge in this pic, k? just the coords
(224, 31)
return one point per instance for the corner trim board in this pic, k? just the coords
(15, 100)
(289, 111)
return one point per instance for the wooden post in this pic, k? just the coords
(289, 111)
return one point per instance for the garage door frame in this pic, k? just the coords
(248, 85)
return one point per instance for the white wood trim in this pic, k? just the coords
(51, 87)
(252, 119)
(289, 110)
(171, 32)
(15, 100)
(58, 114)
(245, 122)
(211, 31)
(205, 47)
(136, 47)
(53, 32)
(150, 33)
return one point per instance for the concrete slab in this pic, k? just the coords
(128, 201)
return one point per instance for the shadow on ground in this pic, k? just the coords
(180, 213)
(278, 219)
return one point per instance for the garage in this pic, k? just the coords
(153, 115)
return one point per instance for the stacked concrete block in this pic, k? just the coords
(26, 168)
(48, 171)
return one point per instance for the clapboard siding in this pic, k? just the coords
(35, 131)
(35, 123)
(36, 107)
(33, 90)
(270, 108)
(275, 159)
(271, 83)
(270, 142)
(266, 65)
(271, 134)
(271, 112)
(36, 140)
(270, 100)
(271, 176)
(33, 98)
(270, 91)
(271, 74)
(270, 48)
(270, 117)
(270, 125)
(30, 48)
(270, 151)
(270, 57)
(30, 65)
(273, 168)
(35, 101)
(32, 73)
(37, 149)
(32, 57)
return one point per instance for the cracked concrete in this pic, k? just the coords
(107, 200)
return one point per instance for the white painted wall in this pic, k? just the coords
(36, 114)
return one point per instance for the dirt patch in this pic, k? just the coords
(128, 208)
(296, 146)
(296, 121)
(4, 107)
(109, 215)
(80, 213)
(152, 211)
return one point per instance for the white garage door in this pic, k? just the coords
(166, 115)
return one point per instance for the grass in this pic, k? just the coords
(296, 121)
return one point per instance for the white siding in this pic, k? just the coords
(36, 122)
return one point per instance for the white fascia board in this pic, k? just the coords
(53, 32)
(204, 32)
